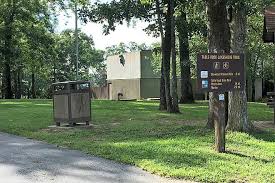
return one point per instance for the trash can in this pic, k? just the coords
(72, 102)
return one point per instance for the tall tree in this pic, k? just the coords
(186, 85)
(162, 103)
(115, 12)
(218, 40)
(89, 57)
(21, 21)
(8, 17)
(175, 105)
(237, 106)
(166, 54)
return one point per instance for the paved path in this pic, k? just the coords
(24, 161)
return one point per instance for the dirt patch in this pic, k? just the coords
(184, 122)
(55, 128)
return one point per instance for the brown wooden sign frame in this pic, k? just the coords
(220, 72)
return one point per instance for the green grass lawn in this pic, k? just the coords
(174, 145)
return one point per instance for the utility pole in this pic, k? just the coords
(76, 41)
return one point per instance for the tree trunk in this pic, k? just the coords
(175, 103)
(237, 108)
(166, 53)
(18, 84)
(7, 61)
(253, 98)
(7, 53)
(186, 85)
(7, 79)
(218, 40)
(2, 87)
(15, 81)
(33, 86)
(162, 104)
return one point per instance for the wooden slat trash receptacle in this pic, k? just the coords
(72, 102)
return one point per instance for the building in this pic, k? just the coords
(131, 76)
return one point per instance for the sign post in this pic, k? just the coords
(220, 73)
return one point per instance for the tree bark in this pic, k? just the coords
(175, 108)
(15, 83)
(7, 61)
(186, 85)
(162, 104)
(7, 79)
(218, 40)
(18, 86)
(237, 108)
(7, 52)
(33, 86)
(166, 53)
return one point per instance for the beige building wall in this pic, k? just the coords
(130, 70)
(136, 79)
(130, 88)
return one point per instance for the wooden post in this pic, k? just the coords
(219, 122)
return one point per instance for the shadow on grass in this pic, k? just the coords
(250, 157)
(268, 136)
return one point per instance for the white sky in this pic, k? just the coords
(121, 34)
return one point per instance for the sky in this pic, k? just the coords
(123, 33)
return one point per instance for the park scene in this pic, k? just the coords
(137, 91)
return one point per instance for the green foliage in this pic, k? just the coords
(166, 144)
(89, 57)
(124, 48)
(36, 50)
(113, 13)
(198, 44)
(259, 54)
(25, 31)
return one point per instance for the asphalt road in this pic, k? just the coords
(28, 161)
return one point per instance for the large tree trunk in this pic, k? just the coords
(33, 86)
(218, 40)
(237, 107)
(18, 85)
(162, 104)
(7, 79)
(175, 103)
(7, 54)
(2, 87)
(186, 85)
(15, 83)
(166, 53)
(7, 61)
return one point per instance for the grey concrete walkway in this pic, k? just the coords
(27, 161)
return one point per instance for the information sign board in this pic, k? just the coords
(220, 72)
